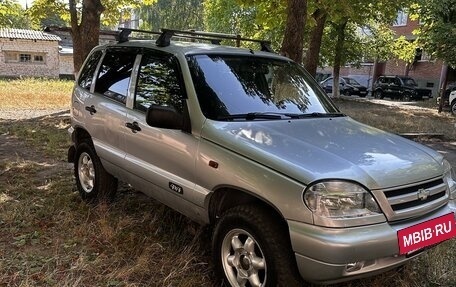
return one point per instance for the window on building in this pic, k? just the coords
(25, 58)
(401, 19)
(422, 56)
(10, 57)
(38, 58)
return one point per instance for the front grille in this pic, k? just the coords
(416, 199)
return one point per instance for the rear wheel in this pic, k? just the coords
(251, 248)
(92, 180)
(453, 108)
(406, 97)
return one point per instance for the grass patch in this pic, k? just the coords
(399, 120)
(35, 94)
(51, 238)
(46, 134)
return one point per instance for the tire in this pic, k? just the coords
(453, 108)
(94, 183)
(347, 93)
(252, 247)
(378, 94)
(406, 97)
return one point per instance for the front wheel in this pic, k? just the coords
(378, 94)
(92, 180)
(453, 108)
(251, 248)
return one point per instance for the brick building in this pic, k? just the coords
(66, 47)
(426, 71)
(28, 53)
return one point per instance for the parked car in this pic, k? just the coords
(320, 76)
(449, 99)
(364, 80)
(399, 87)
(452, 102)
(247, 142)
(347, 86)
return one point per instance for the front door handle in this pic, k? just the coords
(134, 126)
(91, 109)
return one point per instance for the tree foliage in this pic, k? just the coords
(12, 15)
(173, 14)
(249, 18)
(439, 31)
(85, 18)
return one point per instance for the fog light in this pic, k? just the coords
(352, 267)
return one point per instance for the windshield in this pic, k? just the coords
(409, 82)
(229, 86)
(351, 81)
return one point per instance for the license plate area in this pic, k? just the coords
(414, 238)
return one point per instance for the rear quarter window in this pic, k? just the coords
(86, 77)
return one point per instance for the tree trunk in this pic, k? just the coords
(85, 32)
(443, 85)
(294, 30)
(340, 28)
(313, 53)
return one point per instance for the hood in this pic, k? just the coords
(328, 148)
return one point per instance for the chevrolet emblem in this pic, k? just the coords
(423, 194)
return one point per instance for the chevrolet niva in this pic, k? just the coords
(247, 141)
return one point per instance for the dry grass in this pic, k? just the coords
(51, 238)
(35, 94)
(399, 119)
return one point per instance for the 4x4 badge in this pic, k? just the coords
(423, 193)
(176, 188)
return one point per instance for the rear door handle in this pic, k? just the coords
(134, 126)
(91, 109)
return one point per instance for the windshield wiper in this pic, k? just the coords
(320, 115)
(252, 116)
(278, 116)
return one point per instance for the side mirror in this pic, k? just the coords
(164, 117)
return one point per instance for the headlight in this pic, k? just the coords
(449, 177)
(340, 200)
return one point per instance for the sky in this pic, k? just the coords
(22, 2)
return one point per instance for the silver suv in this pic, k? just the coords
(248, 142)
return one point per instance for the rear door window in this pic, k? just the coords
(114, 77)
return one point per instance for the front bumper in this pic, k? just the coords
(332, 255)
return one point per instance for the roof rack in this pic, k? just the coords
(164, 39)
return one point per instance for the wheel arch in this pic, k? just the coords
(226, 197)
(79, 135)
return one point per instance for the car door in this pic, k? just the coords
(105, 106)
(161, 161)
(396, 87)
(328, 85)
